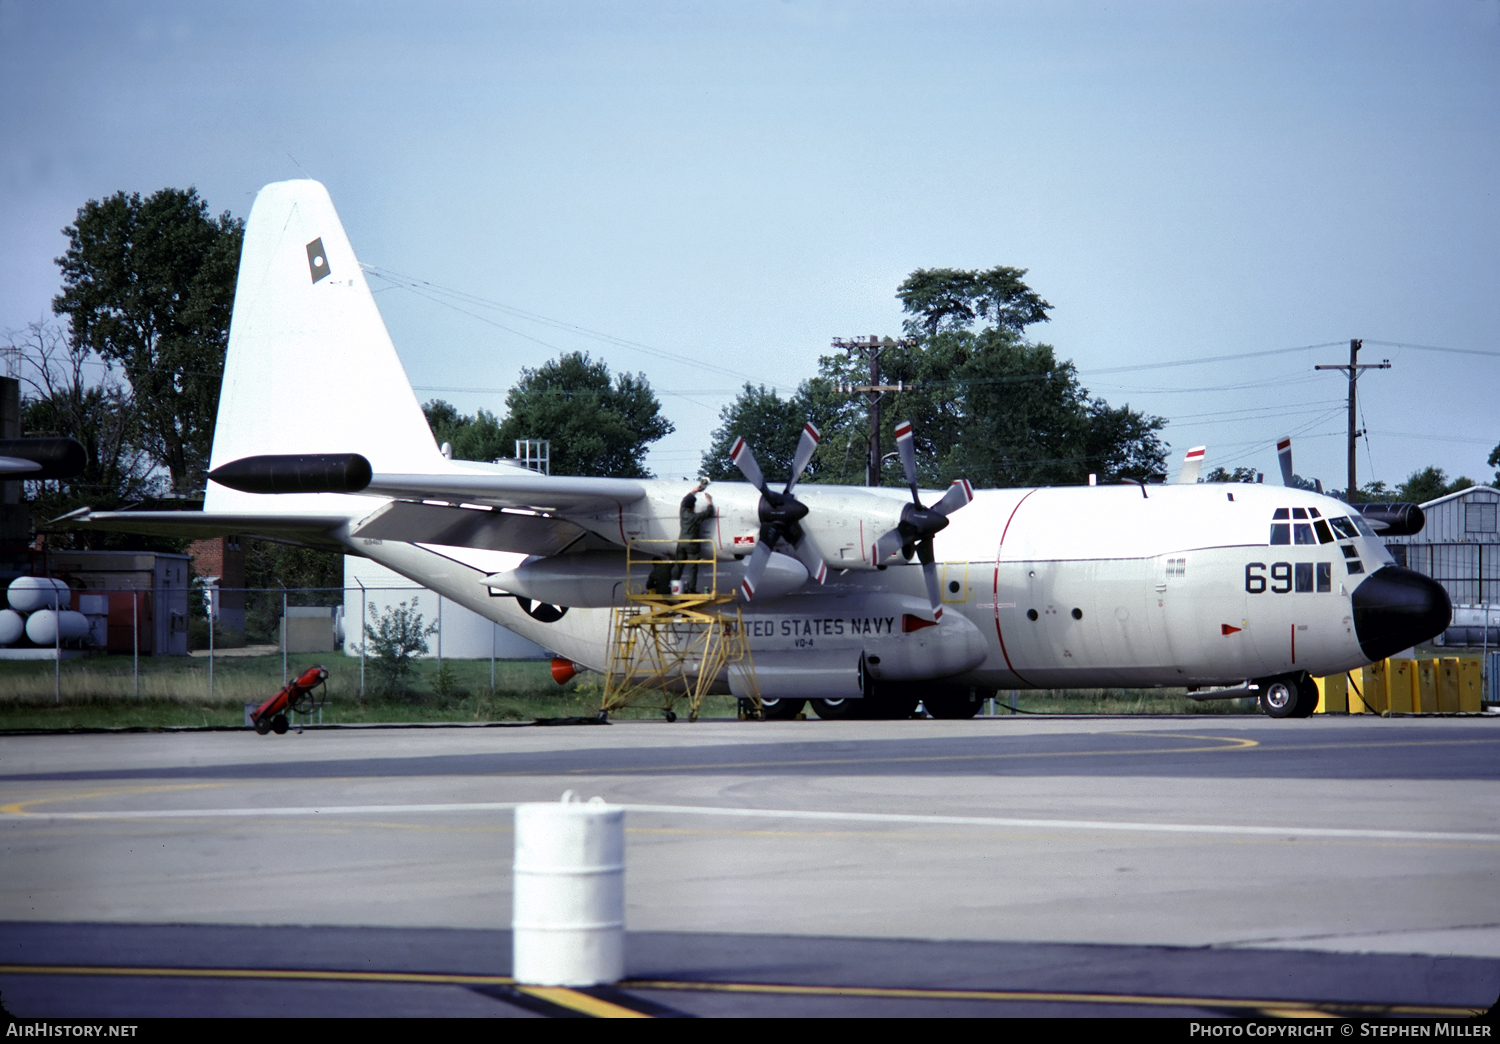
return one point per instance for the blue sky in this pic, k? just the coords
(718, 189)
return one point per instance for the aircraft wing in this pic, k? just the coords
(554, 494)
(199, 525)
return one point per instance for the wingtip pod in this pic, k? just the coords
(304, 473)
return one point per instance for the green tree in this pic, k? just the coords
(149, 284)
(397, 638)
(772, 425)
(475, 437)
(986, 404)
(1494, 462)
(69, 391)
(597, 425)
(1221, 474)
(1428, 484)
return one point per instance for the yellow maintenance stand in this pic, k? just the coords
(665, 648)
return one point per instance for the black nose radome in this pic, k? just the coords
(1396, 608)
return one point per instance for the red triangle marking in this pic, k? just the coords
(1229, 630)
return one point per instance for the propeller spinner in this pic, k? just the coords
(780, 513)
(918, 525)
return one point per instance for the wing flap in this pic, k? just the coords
(491, 530)
(200, 525)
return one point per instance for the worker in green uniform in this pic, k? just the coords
(690, 523)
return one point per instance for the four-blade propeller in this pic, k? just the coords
(920, 524)
(780, 513)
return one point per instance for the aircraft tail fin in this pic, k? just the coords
(310, 367)
(1192, 464)
(1284, 453)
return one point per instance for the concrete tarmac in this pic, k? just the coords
(1327, 861)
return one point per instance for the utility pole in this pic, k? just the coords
(871, 348)
(1353, 370)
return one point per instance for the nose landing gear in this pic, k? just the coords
(1288, 696)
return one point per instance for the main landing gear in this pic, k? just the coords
(1288, 696)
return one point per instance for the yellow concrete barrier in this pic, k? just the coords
(1333, 694)
(1372, 690)
(1401, 679)
(1426, 693)
(1470, 684)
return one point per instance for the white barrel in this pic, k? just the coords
(568, 925)
(41, 626)
(12, 626)
(29, 593)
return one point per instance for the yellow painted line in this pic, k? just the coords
(1300, 1008)
(581, 1002)
(18, 808)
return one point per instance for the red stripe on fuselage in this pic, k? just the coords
(998, 635)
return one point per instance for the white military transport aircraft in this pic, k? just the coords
(860, 600)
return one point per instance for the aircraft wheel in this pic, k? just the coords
(839, 710)
(782, 709)
(1279, 697)
(262, 725)
(279, 725)
(1307, 698)
(890, 703)
(951, 703)
(670, 716)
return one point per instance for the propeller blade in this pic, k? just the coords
(807, 554)
(805, 447)
(888, 544)
(1284, 452)
(744, 459)
(930, 574)
(756, 567)
(959, 494)
(906, 444)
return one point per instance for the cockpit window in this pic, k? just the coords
(1281, 515)
(1324, 536)
(1303, 532)
(1363, 526)
(1313, 513)
(1344, 527)
(1299, 512)
(1281, 533)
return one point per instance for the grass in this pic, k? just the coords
(100, 692)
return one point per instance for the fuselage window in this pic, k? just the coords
(1344, 527)
(1324, 536)
(1325, 577)
(1299, 512)
(1281, 533)
(1349, 551)
(1355, 566)
(1281, 515)
(1303, 533)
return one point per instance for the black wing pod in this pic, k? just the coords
(54, 458)
(296, 473)
(1397, 519)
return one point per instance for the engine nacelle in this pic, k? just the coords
(596, 579)
(923, 650)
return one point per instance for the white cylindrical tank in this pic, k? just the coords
(30, 593)
(569, 914)
(12, 626)
(41, 626)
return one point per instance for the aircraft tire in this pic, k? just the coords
(1307, 697)
(782, 709)
(848, 709)
(279, 725)
(897, 705)
(1280, 696)
(951, 702)
(262, 725)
